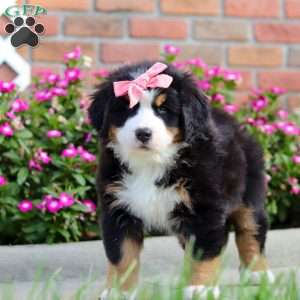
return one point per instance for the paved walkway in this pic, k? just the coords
(161, 255)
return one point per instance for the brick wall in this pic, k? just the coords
(259, 37)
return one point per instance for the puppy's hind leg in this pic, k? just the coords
(251, 229)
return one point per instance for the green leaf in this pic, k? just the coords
(24, 134)
(79, 178)
(22, 175)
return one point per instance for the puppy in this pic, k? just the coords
(170, 162)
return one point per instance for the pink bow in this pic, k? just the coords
(150, 79)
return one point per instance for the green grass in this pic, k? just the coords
(284, 288)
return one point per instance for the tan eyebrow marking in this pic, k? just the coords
(160, 99)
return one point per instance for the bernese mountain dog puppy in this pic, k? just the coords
(170, 162)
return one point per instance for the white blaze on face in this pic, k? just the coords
(160, 146)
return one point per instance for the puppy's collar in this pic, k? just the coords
(150, 79)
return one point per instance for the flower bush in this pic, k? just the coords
(48, 162)
(48, 150)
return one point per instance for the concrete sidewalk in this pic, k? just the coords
(162, 257)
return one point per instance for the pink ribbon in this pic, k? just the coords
(150, 79)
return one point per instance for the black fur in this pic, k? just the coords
(222, 166)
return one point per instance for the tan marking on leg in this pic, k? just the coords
(160, 99)
(112, 134)
(112, 189)
(130, 260)
(183, 193)
(205, 272)
(176, 133)
(248, 246)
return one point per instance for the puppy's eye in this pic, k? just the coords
(162, 110)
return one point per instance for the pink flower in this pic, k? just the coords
(11, 115)
(19, 105)
(43, 95)
(73, 55)
(34, 165)
(178, 65)
(102, 73)
(54, 133)
(6, 87)
(43, 156)
(214, 72)
(290, 129)
(88, 137)
(63, 83)
(260, 121)
(277, 90)
(172, 50)
(232, 75)
(292, 180)
(66, 200)
(87, 156)
(282, 114)
(267, 128)
(90, 205)
(259, 104)
(295, 190)
(72, 74)
(197, 62)
(203, 85)
(84, 103)
(69, 152)
(52, 78)
(25, 206)
(6, 130)
(58, 91)
(296, 159)
(53, 205)
(230, 108)
(3, 181)
(218, 98)
(250, 121)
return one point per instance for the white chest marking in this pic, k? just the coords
(146, 201)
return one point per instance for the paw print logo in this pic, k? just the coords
(23, 34)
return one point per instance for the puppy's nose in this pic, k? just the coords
(143, 134)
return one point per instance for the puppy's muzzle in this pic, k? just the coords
(143, 134)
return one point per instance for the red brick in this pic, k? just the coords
(282, 33)
(6, 73)
(54, 51)
(241, 98)
(252, 8)
(128, 52)
(126, 5)
(50, 22)
(38, 68)
(247, 81)
(285, 79)
(210, 54)
(294, 57)
(158, 28)
(191, 7)
(220, 30)
(255, 56)
(62, 4)
(102, 26)
(292, 8)
(294, 103)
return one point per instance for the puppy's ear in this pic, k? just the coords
(195, 112)
(99, 108)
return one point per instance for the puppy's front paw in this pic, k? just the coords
(105, 294)
(113, 293)
(200, 291)
(256, 277)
